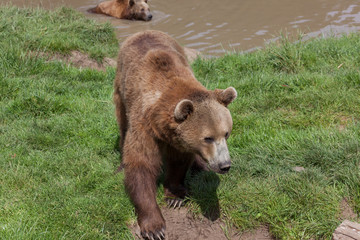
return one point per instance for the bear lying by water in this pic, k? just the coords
(165, 116)
(124, 9)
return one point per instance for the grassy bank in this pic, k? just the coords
(298, 105)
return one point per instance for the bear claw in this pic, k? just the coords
(175, 203)
(154, 236)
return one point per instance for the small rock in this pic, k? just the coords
(298, 169)
(347, 231)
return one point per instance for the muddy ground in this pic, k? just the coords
(182, 225)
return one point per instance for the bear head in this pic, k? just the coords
(139, 10)
(205, 125)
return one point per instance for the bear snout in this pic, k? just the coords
(220, 167)
(224, 167)
(149, 17)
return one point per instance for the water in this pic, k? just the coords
(216, 27)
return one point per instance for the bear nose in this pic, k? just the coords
(225, 167)
(150, 16)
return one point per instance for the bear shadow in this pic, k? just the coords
(203, 190)
(117, 145)
(119, 165)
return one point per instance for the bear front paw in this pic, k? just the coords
(152, 229)
(156, 235)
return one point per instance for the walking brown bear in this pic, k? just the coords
(165, 116)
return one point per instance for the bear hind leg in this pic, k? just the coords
(121, 118)
(177, 165)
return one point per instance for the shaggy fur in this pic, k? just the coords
(124, 9)
(165, 116)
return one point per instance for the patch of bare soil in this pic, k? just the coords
(182, 225)
(343, 123)
(261, 233)
(346, 211)
(77, 59)
(81, 60)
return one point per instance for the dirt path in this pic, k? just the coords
(81, 60)
(181, 225)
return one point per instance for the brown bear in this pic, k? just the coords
(165, 117)
(124, 9)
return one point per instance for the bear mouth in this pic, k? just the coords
(219, 171)
(206, 166)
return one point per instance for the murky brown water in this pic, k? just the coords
(214, 27)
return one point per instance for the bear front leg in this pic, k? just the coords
(142, 163)
(177, 165)
(141, 186)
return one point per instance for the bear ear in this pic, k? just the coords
(183, 109)
(160, 59)
(225, 97)
(131, 3)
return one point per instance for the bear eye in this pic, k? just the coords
(209, 140)
(227, 135)
(142, 9)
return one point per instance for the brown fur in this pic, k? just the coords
(124, 9)
(164, 115)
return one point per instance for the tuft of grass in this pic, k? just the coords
(298, 105)
(288, 57)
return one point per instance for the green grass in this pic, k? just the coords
(58, 134)
(62, 31)
(295, 107)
